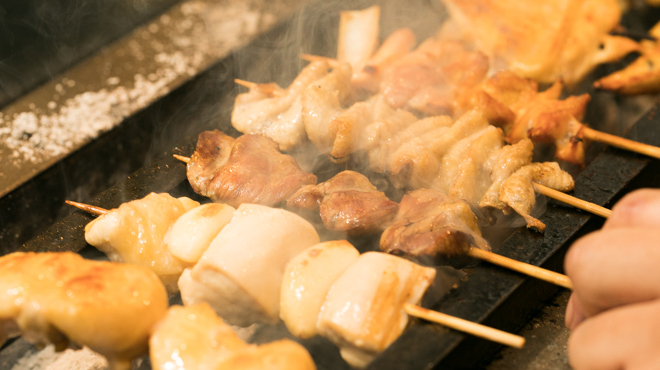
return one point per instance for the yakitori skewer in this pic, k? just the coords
(548, 192)
(584, 133)
(476, 329)
(469, 327)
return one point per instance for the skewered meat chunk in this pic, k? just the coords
(249, 169)
(194, 231)
(241, 272)
(518, 190)
(640, 77)
(135, 233)
(61, 297)
(433, 228)
(307, 279)
(358, 36)
(277, 117)
(347, 202)
(430, 78)
(363, 310)
(546, 40)
(194, 337)
(503, 163)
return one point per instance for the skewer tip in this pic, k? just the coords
(94, 210)
(181, 158)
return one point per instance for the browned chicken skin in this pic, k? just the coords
(432, 228)
(347, 202)
(249, 169)
(61, 297)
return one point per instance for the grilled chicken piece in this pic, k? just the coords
(135, 233)
(367, 78)
(257, 239)
(472, 178)
(347, 202)
(307, 279)
(515, 104)
(641, 76)
(430, 78)
(518, 190)
(61, 297)
(503, 163)
(417, 163)
(543, 40)
(432, 228)
(249, 169)
(279, 116)
(194, 337)
(363, 310)
(193, 232)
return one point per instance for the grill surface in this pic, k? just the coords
(488, 295)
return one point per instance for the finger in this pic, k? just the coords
(622, 338)
(639, 208)
(574, 314)
(614, 267)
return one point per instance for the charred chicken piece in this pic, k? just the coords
(347, 202)
(194, 337)
(249, 169)
(61, 297)
(434, 229)
(640, 77)
(543, 40)
(518, 190)
(135, 233)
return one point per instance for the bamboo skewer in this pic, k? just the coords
(96, 211)
(619, 142)
(522, 267)
(469, 327)
(269, 88)
(181, 158)
(573, 201)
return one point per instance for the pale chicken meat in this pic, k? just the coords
(307, 280)
(347, 202)
(277, 115)
(417, 162)
(194, 337)
(432, 228)
(249, 169)
(363, 310)
(61, 297)
(135, 233)
(503, 163)
(194, 231)
(241, 272)
(473, 177)
(543, 40)
(518, 190)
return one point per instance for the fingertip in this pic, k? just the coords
(639, 208)
(574, 314)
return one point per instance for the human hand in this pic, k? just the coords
(614, 311)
